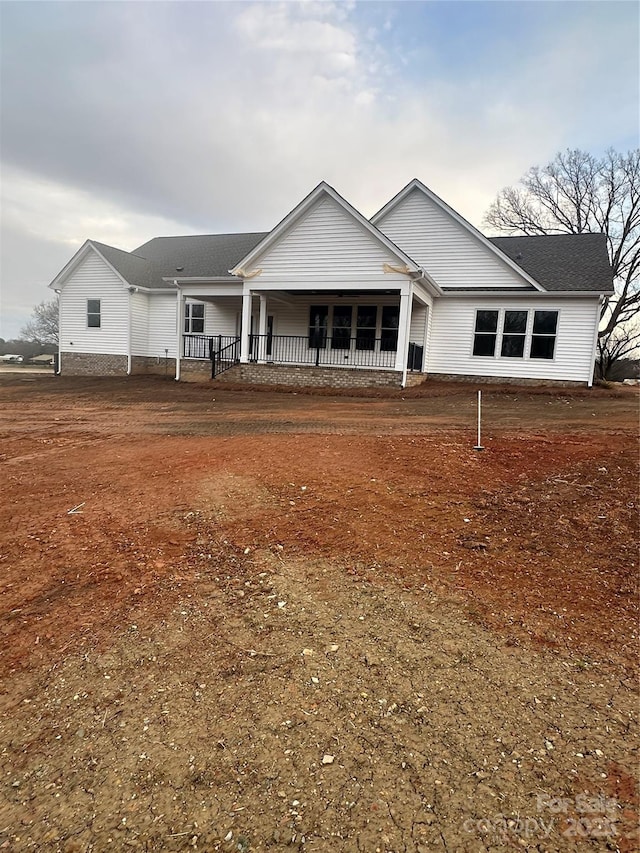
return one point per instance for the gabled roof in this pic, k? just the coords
(306, 204)
(562, 262)
(416, 184)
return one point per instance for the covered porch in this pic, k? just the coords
(329, 326)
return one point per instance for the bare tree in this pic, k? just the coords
(42, 328)
(615, 348)
(578, 193)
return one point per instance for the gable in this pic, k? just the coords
(449, 251)
(325, 240)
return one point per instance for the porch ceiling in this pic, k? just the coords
(348, 294)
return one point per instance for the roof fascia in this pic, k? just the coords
(416, 184)
(528, 294)
(202, 279)
(300, 209)
(82, 252)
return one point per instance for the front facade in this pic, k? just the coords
(330, 298)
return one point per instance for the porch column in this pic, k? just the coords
(180, 327)
(245, 328)
(404, 324)
(262, 327)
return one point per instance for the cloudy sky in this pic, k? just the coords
(123, 121)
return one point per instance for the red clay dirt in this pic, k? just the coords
(149, 523)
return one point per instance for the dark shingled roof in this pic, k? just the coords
(200, 255)
(558, 262)
(569, 262)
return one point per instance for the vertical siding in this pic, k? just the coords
(453, 327)
(139, 323)
(449, 253)
(94, 279)
(325, 241)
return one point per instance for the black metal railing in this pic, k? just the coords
(203, 346)
(324, 351)
(225, 357)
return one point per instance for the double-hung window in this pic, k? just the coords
(486, 333)
(543, 337)
(93, 313)
(389, 328)
(194, 318)
(514, 333)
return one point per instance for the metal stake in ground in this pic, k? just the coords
(479, 446)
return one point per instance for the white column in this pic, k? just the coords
(245, 328)
(262, 327)
(180, 326)
(404, 324)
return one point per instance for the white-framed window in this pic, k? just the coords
(514, 333)
(543, 336)
(93, 314)
(194, 318)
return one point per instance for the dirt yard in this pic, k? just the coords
(237, 620)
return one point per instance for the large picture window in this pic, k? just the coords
(93, 313)
(194, 318)
(389, 328)
(318, 322)
(486, 333)
(543, 338)
(341, 329)
(366, 320)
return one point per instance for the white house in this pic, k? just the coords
(330, 298)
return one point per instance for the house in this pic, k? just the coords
(328, 297)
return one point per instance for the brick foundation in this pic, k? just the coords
(317, 377)
(506, 380)
(92, 364)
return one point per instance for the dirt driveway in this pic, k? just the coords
(238, 620)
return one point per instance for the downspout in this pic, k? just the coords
(59, 366)
(595, 344)
(178, 329)
(129, 335)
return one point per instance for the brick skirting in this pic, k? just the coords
(92, 364)
(506, 380)
(318, 377)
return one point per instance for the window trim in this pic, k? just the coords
(526, 356)
(189, 318)
(97, 314)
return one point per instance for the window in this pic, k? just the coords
(389, 328)
(366, 319)
(194, 318)
(514, 334)
(341, 330)
(543, 338)
(318, 322)
(93, 313)
(486, 334)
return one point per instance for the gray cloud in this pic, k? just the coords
(121, 120)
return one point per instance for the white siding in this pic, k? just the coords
(449, 253)
(94, 279)
(222, 316)
(418, 323)
(139, 323)
(162, 325)
(325, 241)
(453, 327)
